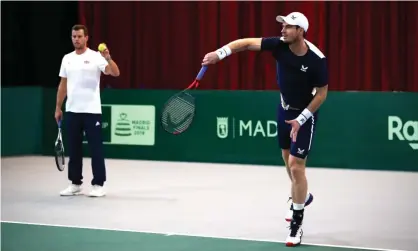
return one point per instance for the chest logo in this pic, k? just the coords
(304, 69)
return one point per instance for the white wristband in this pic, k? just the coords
(223, 52)
(304, 116)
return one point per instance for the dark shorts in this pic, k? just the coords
(305, 136)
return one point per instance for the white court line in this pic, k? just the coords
(191, 235)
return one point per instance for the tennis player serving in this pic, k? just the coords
(302, 76)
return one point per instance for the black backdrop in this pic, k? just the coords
(34, 38)
(36, 35)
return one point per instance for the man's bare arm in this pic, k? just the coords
(252, 44)
(243, 44)
(112, 68)
(62, 93)
(320, 97)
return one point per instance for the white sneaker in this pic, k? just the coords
(71, 190)
(97, 191)
(289, 214)
(295, 236)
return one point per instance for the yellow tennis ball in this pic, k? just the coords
(102, 47)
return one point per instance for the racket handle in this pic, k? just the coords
(59, 123)
(202, 72)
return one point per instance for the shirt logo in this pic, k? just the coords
(87, 62)
(304, 68)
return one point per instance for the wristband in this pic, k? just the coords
(304, 116)
(223, 52)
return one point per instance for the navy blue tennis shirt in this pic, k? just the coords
(297, 76)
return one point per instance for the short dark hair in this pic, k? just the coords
(304, 32)
(78, 27)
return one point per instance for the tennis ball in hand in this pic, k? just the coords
(102, 47)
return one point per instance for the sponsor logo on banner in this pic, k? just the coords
(222, 127)
(123, 126)
(133, 125)
(234, 127)
(129, 125)
(399, 129)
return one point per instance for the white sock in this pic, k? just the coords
(298, 206)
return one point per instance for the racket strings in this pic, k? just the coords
(179, 112)
(59, 152)
(179, 109)
(59, 147)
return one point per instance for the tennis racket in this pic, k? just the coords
(59, 150)
(178, 112)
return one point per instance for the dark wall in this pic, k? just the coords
(144, 36)
(160, 44)
(35, 37)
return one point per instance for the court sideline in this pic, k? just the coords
(352, 208)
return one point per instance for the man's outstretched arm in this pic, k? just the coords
(243, 44)
(251, 44)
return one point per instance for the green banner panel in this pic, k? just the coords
(21, 121)
(356, 130)
(361, 130)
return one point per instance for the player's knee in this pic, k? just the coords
(297, 167)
